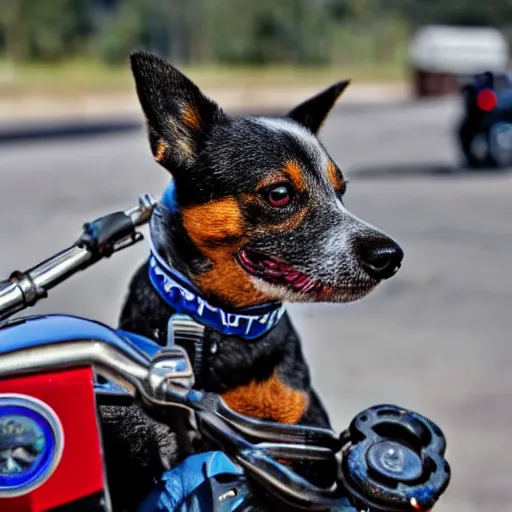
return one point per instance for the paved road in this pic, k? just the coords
(435, 338)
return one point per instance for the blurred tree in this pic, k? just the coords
(119, 31)
(460, 12)
(47, 30)
(231, 31)
(13, 20)
(268, 31)
(368, 31)
(57, 28)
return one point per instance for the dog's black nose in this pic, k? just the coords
(381, 258)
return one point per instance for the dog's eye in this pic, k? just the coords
(278, 196)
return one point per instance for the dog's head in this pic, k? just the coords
(261, 215)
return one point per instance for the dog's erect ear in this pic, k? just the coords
(312, 113)
(178, 114)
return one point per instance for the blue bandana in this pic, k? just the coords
(184, 297)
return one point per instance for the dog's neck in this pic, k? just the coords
(179, 292)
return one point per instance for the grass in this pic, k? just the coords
(286, 75)
(70, 78)
(80, 77)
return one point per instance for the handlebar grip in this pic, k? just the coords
(102, 234)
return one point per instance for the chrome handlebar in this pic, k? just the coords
(99, 239)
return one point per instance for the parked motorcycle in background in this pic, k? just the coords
(485, 133)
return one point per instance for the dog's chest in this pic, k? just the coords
(251, 380)
(270, 399)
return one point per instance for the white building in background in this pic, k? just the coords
(442, 56)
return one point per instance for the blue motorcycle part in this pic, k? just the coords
(36, 331)
(203, 482)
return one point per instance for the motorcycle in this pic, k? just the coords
(485, 131)
(389, 459)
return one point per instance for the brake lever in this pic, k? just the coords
(276, 478)
(127, 242)
(280, 432)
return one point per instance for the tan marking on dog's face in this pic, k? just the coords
(270, 399)
(214, 222)
(335, 177)
(218, 231)
(294, 172)
(291, 172)
(190, 117)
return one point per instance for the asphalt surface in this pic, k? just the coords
(435, 338)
